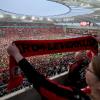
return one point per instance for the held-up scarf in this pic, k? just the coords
(39, 47)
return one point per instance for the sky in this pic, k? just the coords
(39, 8)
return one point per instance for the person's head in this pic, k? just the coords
(93, 73)
(78, 55)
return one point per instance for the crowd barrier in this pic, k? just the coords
(29, 93)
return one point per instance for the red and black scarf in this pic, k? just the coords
(39, 47)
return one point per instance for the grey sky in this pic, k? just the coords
(38, 7)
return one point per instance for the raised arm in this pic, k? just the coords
(25, 66)
(14, 52)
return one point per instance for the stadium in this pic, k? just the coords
(74, 24)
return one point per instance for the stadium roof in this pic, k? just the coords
(82, 3)
(88, 4)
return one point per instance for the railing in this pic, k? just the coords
(20, 93)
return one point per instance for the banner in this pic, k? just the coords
(39, 47)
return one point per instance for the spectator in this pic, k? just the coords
(47, 89)
(93, 77)
(76, 75)
(78, 55)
